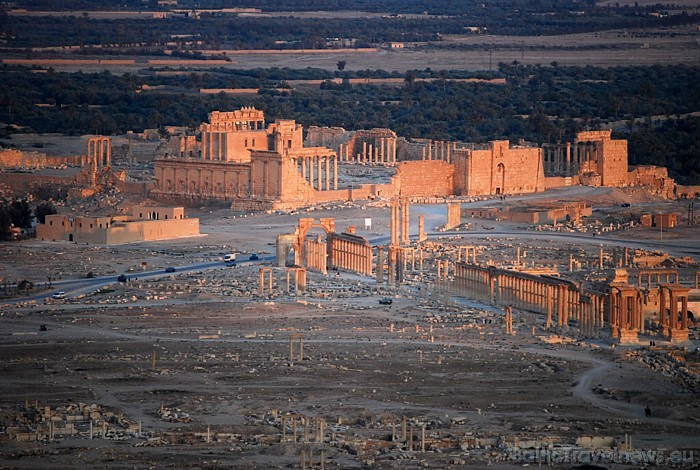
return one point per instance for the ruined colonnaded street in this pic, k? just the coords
(256, 365)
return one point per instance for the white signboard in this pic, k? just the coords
(368, 224)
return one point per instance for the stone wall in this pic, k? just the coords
(499, 169)
(690, 192)
(114, 230)
(654, 178)
(612, 161)
(330, 137)
(423, 179)
(16, 159)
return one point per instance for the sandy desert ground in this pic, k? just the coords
(192, 369)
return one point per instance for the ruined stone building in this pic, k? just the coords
(594, 157)
(375, 146)
(257, 166)
(500, 169)
(253, 165)
(142, 224)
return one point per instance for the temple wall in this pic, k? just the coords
(423, 179)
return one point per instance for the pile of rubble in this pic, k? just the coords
(173, 415)
(675, 364)
(43, 423)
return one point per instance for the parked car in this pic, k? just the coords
(169, 269)
(385, 301)
(58, 295)
(121, 278)
(254, 257)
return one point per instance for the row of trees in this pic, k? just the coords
(525, 18)
(539, 104)
(17, 213)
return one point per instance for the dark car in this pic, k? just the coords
(169, 269)
(254, 257)
(121, 278)
(385, 301)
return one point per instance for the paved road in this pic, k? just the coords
(77, 287)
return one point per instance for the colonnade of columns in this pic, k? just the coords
(527, 292)
(378, 151)
(626, 313)
(351, 255)
(296, 421)
(405, 258)
(469, 252)
(202, 181)
(508, 319)
(99, 150)
(662, 276)
(439, 150)
(671, 325)
(592, 314)
(395, 264)
(299, 279)
(214, 146)
(317, 255)
(318, 172)
(400, 219)
(566, 159)
(265, 281)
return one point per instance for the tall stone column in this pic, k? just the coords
(394, 221)
(405, 214)
(310, 166)
(549, 295)
(335, 172)
(319, 174)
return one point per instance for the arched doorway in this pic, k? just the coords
(500, 179)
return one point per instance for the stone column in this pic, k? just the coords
(394, 221)
(335, 172)
(405, 214)
(319, 174)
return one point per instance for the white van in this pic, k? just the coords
(230, 258)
